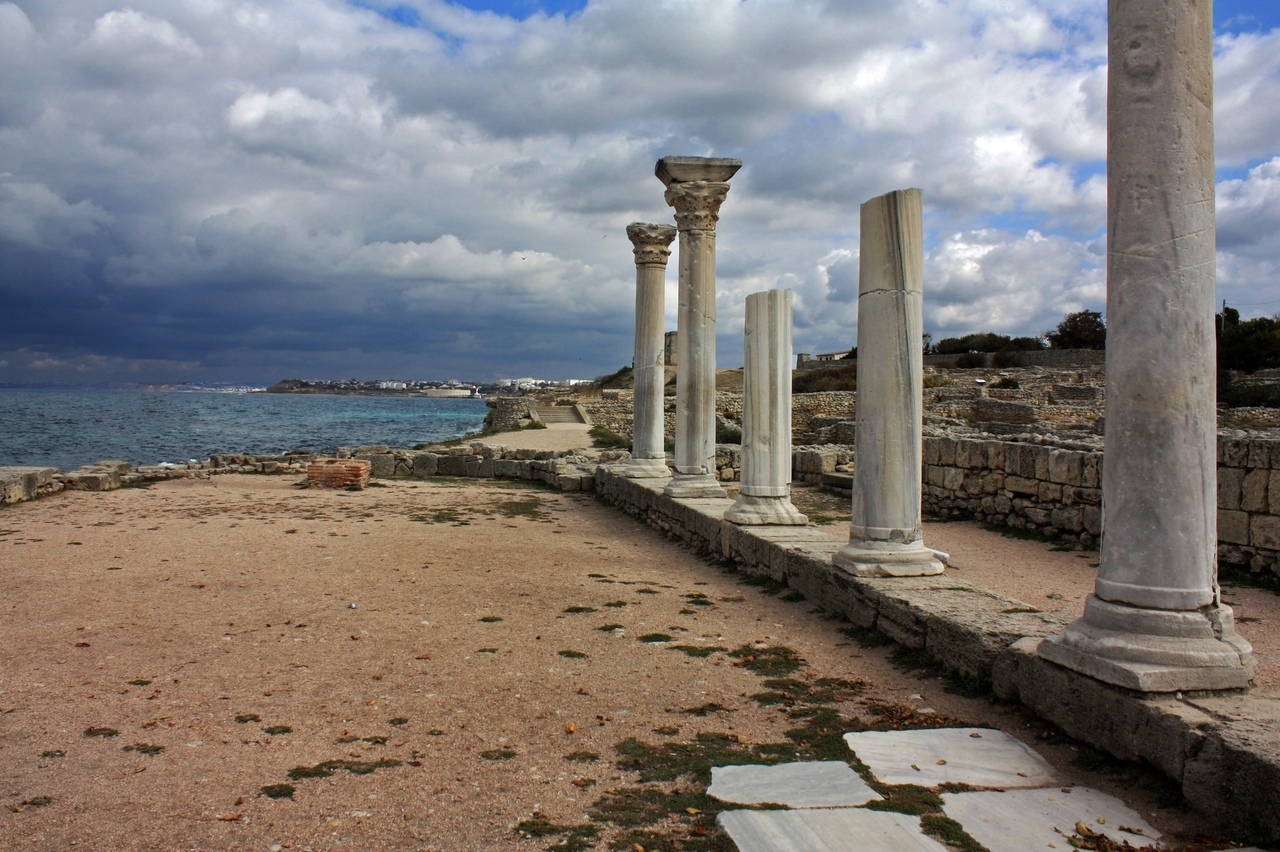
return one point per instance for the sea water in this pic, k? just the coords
(64, 428)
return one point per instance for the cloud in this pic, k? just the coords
(241, 191)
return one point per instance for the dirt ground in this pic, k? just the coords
(437, 665)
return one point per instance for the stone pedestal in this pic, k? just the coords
(648, 458)
(696, 187)
(885, 535)
(1156, 622)
(765, 495)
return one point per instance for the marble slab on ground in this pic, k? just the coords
(826, 830)
(933, 756)
(814, 784)
(1017, 820)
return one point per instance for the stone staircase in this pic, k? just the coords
(559, 414)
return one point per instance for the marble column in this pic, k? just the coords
(696, 187)
(1156, 622)
(765, 495)
(648, 459)
(885, 536)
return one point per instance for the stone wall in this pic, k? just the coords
(509, 413)
(1055, 358)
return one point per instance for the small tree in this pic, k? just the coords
(1081, 330)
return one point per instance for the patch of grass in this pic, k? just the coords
(667, 731)
(616, 604)
(582, 756)
(902, 717)
(596, 576)
(486, 650)
(823, 690)
(142, 681)
(1092, 760)
(1023, 533)
(774, 661)
(101, 732)
(328, 767)
(526, 507)
(572, 655)
(792, 597)
(705, 710)
(398, 721)
(950, 832)
(276, 730)
(698, 599)
(609, 628)
(577, 837)
(245, 718)
(866, 637)
(653, 638)
(278, 791)
(144, 748)
(55, 753)
(435, 732)
(957, 683)
(767, 585)
(33, 802)
(574, 610)
(498, 754)
(647, 592)
(491, 619)
(906, 799)
(603, 438)
(699, 651)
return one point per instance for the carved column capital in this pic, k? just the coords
(697, 203)
(651, 242)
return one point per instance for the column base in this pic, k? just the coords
(863, 558)
(647, 469)
(694, 485)
(1153, 650)
(749, 510)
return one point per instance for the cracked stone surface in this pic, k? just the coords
(975, 756)
(816, 784)
(1017, 820)
(831, 830)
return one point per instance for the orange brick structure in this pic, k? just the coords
(338, 473)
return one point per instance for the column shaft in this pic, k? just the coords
(696, 187)
(765, 495)
(648, 458)
(1155, 621)
(885, 536)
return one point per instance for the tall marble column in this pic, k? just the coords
(648, 458)
(1156, 622)
(885, 536)
(696, 187)
(765, 495)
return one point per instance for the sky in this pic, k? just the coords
(241, 191)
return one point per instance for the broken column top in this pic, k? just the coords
(684, 169)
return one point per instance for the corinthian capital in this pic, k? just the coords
(651, 242)
(697, 203)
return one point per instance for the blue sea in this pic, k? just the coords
(66, 428)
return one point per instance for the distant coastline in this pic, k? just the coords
(444, 390)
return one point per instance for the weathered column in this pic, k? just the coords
(885, 536)
(1155, 621)
(765, 495)
(696, 187)
(648, 459)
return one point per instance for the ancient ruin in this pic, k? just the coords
(885, 536)
(1156, 622)
(696, 187)
(765, 494)
(648, 458)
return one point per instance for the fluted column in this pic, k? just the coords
(885, 535)
(765, 495)
(696, 187)
(648, 459)
(1156, 621)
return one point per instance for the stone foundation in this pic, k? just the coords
(338, 473)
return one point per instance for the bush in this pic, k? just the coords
(607, 439)
(971, 360)
(1235, 395)
(618, 380)
(1006, 383)
(842, 378)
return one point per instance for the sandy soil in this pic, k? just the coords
(557, 436)
(455, 628)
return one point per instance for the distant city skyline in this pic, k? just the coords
(241, 192)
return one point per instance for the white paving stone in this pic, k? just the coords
(1018, 820)
(816, 784)
(936, 756)
(830, 830)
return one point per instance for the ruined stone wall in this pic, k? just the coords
(508, 413)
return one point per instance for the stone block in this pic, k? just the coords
(1091, 517)
(1230, 479)
(1021, 485)
(946, 451)
(486, 470)
(995, 454)
(1041, 455)
(1050, 492)
(1089, 496)
(953, 478)
(451, 466)
(1003, 504)
(1066, 467)
(1264, 531)
(999, 411)
(1273, 490)
(1259, 454)
(1091, 471)
(471, 465)
(1233, 453)
(935, 475)
(1067, 519)
(1253, 491)
(338, 473)
(1036, 515)
(993, 482)
(425, 464)
(1233, 526)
